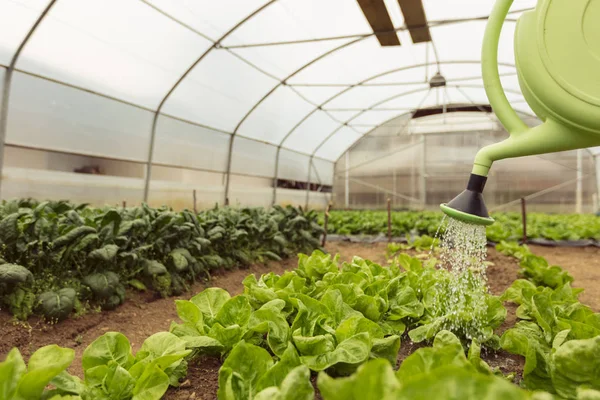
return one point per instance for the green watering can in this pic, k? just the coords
(557, 52)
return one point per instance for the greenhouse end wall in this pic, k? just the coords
(418, 167)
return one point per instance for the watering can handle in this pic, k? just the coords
(491, 77)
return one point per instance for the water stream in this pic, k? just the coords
(462, 297)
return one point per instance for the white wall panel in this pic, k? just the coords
(188, 145)
(48, 115)
(324, 169)
(293, 166)
(250, 157)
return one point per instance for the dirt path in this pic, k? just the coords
(139, 317)
(582, 263)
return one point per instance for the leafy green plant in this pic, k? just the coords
(57, 257)
(508, 226)
(19, 381)
(552, 323)
(429, 373)
(421, 243)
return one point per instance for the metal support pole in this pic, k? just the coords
(276, 176)
(7, 85)
(393, 179)
(524, 218)
(389, 219)
(194, 197)
(308, 183)
(347, 182)
(324, 240)
(579, 185)
(423, 185)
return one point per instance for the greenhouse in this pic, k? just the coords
(240, 199)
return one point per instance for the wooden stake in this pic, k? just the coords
(524, 218)
(194, 196)
(124, 204)
(389, 210)
(324, 240)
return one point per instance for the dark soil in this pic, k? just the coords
(144, 314)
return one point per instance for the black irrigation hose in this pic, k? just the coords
(538, 241)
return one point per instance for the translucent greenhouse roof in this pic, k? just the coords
(305, 75)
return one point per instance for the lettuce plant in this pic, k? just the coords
(19, 381)
(425, 374)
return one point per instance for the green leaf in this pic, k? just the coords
(235, 311)
(119, 383)
(137, 285)
(386, 348)
(151, 385)
(162, 349)
(576, 363)
(66, 383)
(105, 254)
(210, 302)
(457, 383)
(11, 370)
(205, 344)
(190, 313)
(350, 352)
(373, 380)
(314, 345)
(179, 259)
(57, 305)
(241, 371)
(295, 386)
(276, 374)
(46, 363)
(446, 350)
(357, 324)
(12, 274)
(270, 320)
(112, 346)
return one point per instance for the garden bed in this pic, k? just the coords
(143, 314)
(202, 379)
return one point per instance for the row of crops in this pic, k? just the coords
(57, 258)
(344, 324)
(508, 226)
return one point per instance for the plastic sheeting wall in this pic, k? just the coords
(64, 128)
(406, 159)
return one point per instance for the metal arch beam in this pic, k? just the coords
(185, 74)
(8, 81)
(281, 83)
(392, 98)
(284, 83)
(379, 75)
(431, 24)
(346, 89)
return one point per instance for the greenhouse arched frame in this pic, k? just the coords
(242, 100)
